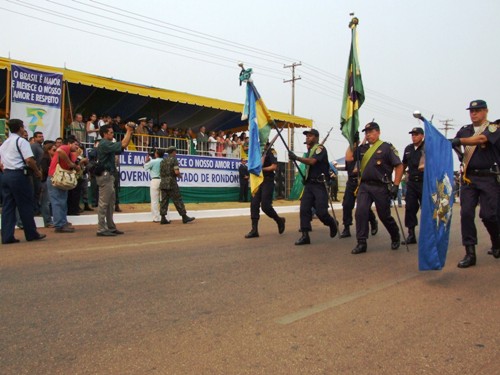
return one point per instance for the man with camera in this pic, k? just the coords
(17, 162)
(105, 177)
(152, 164)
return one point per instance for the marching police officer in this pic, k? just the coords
(264, 195)
(315, 193)
(378, 160)
(351, 185)
(480, 180)
(414, 185)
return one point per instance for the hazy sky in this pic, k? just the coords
(435, 56)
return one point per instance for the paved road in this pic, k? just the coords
(201, 299)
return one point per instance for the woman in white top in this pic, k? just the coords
(212, 144)
(228, 146)
(92, 129)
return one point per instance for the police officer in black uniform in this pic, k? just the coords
(480, 183)
(378, 160)
(351, 185)
(414, 185)
(315, 193)
(264, 195)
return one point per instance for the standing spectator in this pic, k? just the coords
(37, 149)
(16, 160)
(228, 146)
(49, 149)
(59, 142)
(153, 166)
(169, 171)
(212, 144)
(235, 143)
(65, 156)
(163, 134)
(244, 179)
(92, 129)
(142, 135)
(78, 129)
(106, 157)
(201, 141)
(220, 143)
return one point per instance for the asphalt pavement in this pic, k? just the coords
(199, 298)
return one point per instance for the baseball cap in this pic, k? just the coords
(477, 104)
(311, 131)
(371, 126)
(417, 130)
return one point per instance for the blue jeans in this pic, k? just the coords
(45, 204)
(59, 203)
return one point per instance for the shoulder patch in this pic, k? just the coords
(492, 128)
(318, 150)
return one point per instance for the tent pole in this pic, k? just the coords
(7, 93)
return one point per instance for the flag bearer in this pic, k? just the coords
(480, 180)
(378, 160)
(315, 193)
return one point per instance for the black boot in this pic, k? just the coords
(87, 207)
(411, 237)
(492, 228)
(395, 242)
(255, 231)
(346, 232)
(164, 220)
(361, 247)
(470, 257)
(334, 228)
(304, 240)
(186, 219)
(117, 208)
(281, 224)
(374, 226)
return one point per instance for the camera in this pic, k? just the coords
(131, 124)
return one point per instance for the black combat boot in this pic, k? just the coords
(334, 228)
(346, 232)
(374, 226)
(411, 237)
(304, 240)
(255, 231)
(361, 247)
(186, 219)
(281, 224)
(164, 220)
(470, 257)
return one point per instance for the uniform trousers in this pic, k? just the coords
(314, 195)
(106, 206)
(154, 192)
(17, 192)
(378, 194)
(349, 202)
(485, 191)
(243, 190)
(413, 201)
(263, 198)
(173, 193)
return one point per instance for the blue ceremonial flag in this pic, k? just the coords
(437, 201)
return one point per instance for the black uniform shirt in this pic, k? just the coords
(381, 164)
(321, 167)
(269, 160)
(486, 154)
(411, 158)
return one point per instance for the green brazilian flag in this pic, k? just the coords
(354, 94)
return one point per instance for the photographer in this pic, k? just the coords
(105, 177)
(152, 164)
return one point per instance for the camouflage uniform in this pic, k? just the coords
(169, 187)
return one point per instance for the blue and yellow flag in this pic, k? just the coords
(437, 201)
(259, 127)
(354, 94)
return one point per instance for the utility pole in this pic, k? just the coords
(447, 126)
(291, 132)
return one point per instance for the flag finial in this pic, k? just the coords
(245, 74)
(354, 21)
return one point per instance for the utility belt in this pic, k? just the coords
(480, 172)
(315, 180)
(416, 178)
(353, 179)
